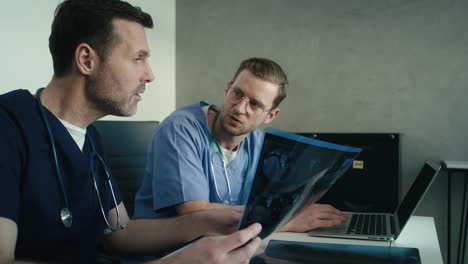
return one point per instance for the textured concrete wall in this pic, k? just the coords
(354, 66)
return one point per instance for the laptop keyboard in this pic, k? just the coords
(368, 224)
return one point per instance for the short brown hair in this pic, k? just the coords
(88, 21)
(267, 70)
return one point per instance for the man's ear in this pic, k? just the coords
(86, 59)
(271, 115)
(228, 86)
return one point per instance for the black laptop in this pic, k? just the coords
(383, 226)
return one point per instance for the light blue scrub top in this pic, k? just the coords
(179, 170)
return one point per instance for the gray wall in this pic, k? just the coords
(354, 66)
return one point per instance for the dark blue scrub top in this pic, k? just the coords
(29, 189)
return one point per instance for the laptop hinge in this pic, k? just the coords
(395, 226)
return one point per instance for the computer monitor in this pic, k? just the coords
(372, 182)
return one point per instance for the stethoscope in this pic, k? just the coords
(226, 176)
(65, 213)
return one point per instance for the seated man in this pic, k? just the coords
(202, 156)
(58, 203)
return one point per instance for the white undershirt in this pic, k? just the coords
(77, 133)
(228, 155)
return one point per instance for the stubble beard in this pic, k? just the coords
(106, 102)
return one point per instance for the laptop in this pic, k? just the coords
(382, 226)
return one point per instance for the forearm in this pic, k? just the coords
(155, 236)
(238, 247)
(198, 205)
(285, 227)
(8, 239)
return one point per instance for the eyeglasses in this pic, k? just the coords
(252, 107)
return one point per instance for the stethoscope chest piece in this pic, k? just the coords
(66, 216)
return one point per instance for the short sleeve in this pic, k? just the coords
(177, 165)
(10, 166)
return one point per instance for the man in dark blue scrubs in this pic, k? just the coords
(57, 202)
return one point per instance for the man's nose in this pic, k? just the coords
(242, 105)
(149, 76)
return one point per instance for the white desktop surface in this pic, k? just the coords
(419, 233)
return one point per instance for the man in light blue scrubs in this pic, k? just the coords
(202, 156)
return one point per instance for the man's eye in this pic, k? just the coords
(254, 105)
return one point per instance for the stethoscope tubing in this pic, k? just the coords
(54, 149)
(65, 213)
(226, 176)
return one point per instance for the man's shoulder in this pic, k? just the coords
(17, 104)
(191, 115)
(256, 138)
(257, 134)
(16, 97)
(193, 109)
(17, 119)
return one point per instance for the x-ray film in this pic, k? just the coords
(292, 171)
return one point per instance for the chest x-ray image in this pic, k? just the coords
(292, 171)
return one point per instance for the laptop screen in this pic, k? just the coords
(417, 191)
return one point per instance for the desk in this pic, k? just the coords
(419, 233)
